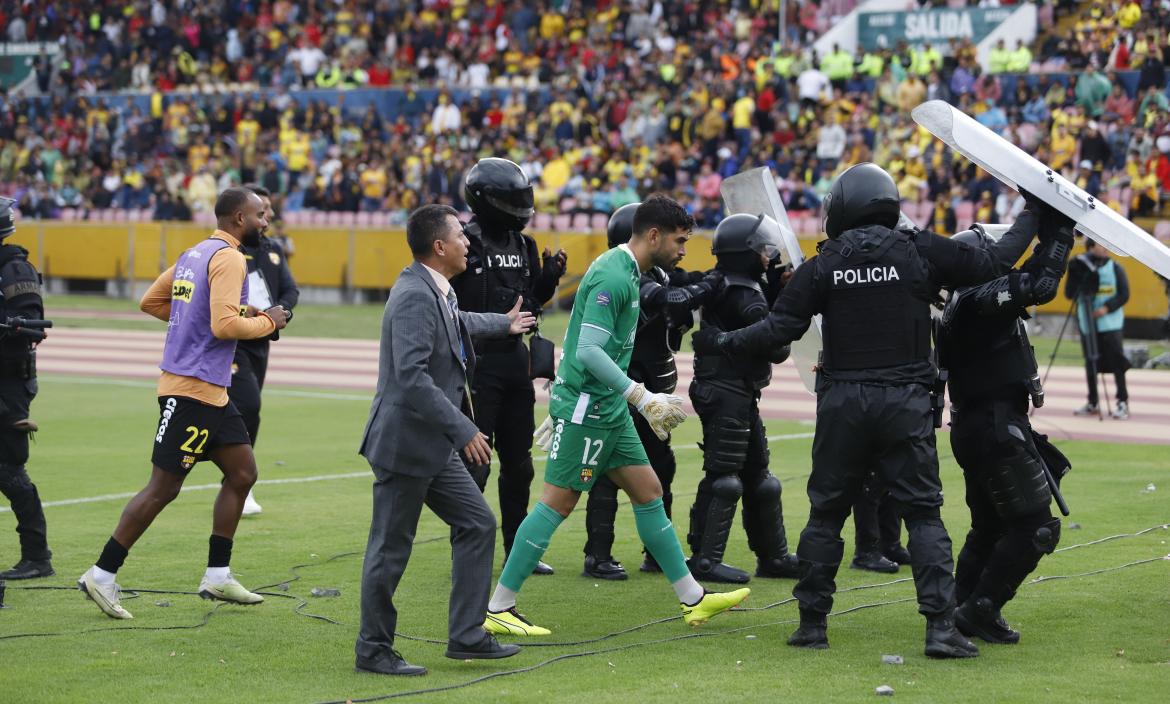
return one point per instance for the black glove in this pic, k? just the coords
(1054, 225)
(554, 263)
(708, 340)
(714, 282)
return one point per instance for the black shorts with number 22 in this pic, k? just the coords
(189, 430)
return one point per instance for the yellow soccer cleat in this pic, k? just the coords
(512, 623)
(229, 590)
(712, 604)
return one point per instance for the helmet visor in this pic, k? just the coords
(518, 204)
(766, 239)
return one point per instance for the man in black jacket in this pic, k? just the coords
(270, 279)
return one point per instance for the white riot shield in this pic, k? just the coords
(1019, 170)
(755, 192)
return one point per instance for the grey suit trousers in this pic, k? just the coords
(398, 502)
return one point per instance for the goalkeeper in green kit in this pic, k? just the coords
(590, 432)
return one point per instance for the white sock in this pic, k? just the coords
(217, 575)
(502, 599)
(688, 590)
(101, 576)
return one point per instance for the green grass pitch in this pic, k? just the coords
(1102, 637)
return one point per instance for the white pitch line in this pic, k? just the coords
(100, 381)
(317, 478)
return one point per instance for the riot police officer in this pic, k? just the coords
(666, 302)
(271, 280)
(726, 395)
(20, 297)
(873, 284)
(1010, 471)
(502, 264)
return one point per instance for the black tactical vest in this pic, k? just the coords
(871, 319)
(741, 303)
(988, 356)
(497, 272)
(20, 295)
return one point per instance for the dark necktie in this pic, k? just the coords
(453, 306)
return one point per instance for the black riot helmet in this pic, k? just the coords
(621, 225)
(499, 194)
(740, 239)
(863, 195)
(7, 217)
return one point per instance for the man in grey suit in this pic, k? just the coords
(416, 429)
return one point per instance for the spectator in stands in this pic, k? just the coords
(1093, 89)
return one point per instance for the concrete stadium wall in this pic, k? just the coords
(353, 258)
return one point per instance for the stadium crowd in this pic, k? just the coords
(601, 102)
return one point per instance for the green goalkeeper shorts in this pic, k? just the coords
(580, 454)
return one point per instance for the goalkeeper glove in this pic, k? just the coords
(663, 411)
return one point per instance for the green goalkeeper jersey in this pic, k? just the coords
(606, 300)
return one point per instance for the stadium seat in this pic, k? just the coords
(1162, 230)
(965, 214)
(68, 214)
(599, 222)
(464, 216)
(580, 222)
(542, 221)
(381, 219)
(318, 218)
(363, 219)
(333, 218)
(562, 222)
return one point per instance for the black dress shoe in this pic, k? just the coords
(604, 568)
(29, 569)
(873, 562)
(487, 649)
(389, 664)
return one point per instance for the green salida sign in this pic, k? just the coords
(877, 30)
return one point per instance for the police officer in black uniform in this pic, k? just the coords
(872, 285)
(726, 395)
(666, 304)
(502, 264)
(250, 365)
(20, 297)
(1006, 465)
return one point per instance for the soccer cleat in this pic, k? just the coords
(1121, 412)
(251, 507)
(1089, 409)
(712, 604)
(512, 623)
(106, 596)
(229, 590)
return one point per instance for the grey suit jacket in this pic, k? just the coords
(416, 419)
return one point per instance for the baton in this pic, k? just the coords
(1054, 488)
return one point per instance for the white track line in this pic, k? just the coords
(317, 478)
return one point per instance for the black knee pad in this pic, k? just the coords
(917, 514)
(727, 487)
(767, 489)
(1047, 536)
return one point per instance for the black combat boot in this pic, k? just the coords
(873, 561)
(812, 633)
(980, 618)
(29, 569)
(649, 564)
(706, 570)
(787, 567)
(897, 554)
(604, 568)
(943, 640)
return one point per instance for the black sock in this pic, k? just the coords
(219, 551)
(112, 557)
